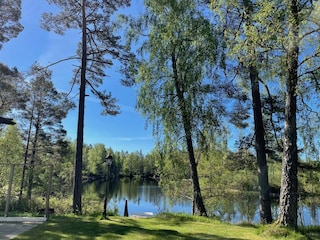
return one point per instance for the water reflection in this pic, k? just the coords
(309, 211)
(146, 196)
(235, 207)
(142, 196)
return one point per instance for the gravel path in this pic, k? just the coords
(11, 227)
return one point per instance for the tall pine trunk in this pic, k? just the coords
(33, 159)
(77, 188)
(24, 168)
(289, 180)
(260, 146)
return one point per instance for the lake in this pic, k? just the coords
(146, 196)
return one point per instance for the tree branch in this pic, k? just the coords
(272, 109)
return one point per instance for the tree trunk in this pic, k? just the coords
(77, 188)
(33, 158)
(194, 175)
(289, 180)
(188, 136)
(25, 159)
(260, 146)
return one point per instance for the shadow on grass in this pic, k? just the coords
(78, 228)
(247, 224)
(176, 219)
(210, 236)
(312, 232)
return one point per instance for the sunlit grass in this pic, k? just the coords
(163, 226)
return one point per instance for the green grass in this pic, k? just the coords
(163, 226)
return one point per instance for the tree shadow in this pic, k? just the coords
(247, 224)
(312, 232)
(211, 237)
(78, 228)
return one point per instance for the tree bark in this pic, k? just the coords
(260, 146)
(33, 157)
(194, 174)
(77, 188)
(25, 159)
(289, 180)
(188, 136)
(31, 168)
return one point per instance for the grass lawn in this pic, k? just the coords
(163, 226)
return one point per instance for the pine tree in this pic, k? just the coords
(43, 113)
(12, 84)
(10, 12)
(240, 21)
(97, 43)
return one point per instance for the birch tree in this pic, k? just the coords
(174, 76)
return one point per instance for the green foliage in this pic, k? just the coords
(309, 177)
(222, 175)
(213, 174)
(274, 173)
(11, 148)
(184, 33)
(174, 77)
(43, 132)
(133, 164)
(12, 81)
(96, 160)
(63, 168)
(61, 205)
(11, 152)
(175, 175)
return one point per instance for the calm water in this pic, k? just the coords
(146, 196)
(142, 196)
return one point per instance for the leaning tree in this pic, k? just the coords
(173, 73)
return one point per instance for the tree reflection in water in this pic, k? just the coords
(146, 196)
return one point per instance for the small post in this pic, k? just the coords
(9, 191)
(109, 159)
(104, 213)
(48, 192)
(126, 213)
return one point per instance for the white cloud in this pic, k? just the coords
(128, 139)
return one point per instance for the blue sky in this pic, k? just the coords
(126, 131)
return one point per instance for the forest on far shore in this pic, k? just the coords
(221, 171)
